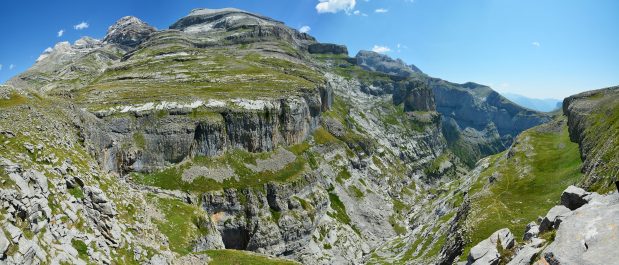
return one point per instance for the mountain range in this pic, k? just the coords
(544, 105)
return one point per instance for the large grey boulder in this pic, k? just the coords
(4, 243)
(574, 197)
(486, 251)
(589, 236)
(554, 217)
(528, 252)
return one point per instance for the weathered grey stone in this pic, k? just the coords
(531, 231)
(574, 197)
(589, 236)
(4, 243)
(527, 253)
(485, 252)
(553, 218)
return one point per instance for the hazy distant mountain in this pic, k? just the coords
(547, 104)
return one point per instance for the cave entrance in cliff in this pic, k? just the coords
(235, 238)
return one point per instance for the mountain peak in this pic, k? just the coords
(383, 63)
(128, 31)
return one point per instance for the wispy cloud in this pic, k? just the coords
(60, 33)
(380, 49)
(0, 67)
(381, 10)
(81, 26)
(11, 66)
(536, 44)
(334, 6)
(359, 13)
(400, 47)
(305, 29)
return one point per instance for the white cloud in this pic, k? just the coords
(334, 6)
(305, 29)
(381, 10)
(0, 67)
(60, 33)
(11, 66)
(81, 26)
(380, 49)
(535, 43)
(359, 13)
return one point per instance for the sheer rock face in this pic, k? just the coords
(327, 48)
(591, 120)
(169, 139)
(128, 31)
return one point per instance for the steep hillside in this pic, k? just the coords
(594, 125)
(477, 121)
(516, 186)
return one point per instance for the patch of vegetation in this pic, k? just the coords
(183, 223)
(523, 185)
(343, 175)
(14, 99)
(138, 139)
(434, 168)
(238, 257)
(237, 160)
(81, 247)
(322, 136)
(76, 192)
(356, 192)
(276, 215)
(400, 230)
(340, 210)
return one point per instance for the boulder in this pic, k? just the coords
(574, 197)
(4, 243)
(528, 252)
(589, 236)
(554, 217)
(531, 231)
(486, 251)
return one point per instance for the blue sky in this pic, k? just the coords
(536, 48)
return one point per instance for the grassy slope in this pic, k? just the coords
(603, 132)
(528, 183)
(236, 257)
(215, 73)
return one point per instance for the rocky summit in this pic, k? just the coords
(231, 138)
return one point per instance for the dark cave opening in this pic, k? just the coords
(235, 238)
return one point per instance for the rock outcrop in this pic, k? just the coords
(587, 236)
(129, 32)
(486, 252)
(592, 124)
(327, 48)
